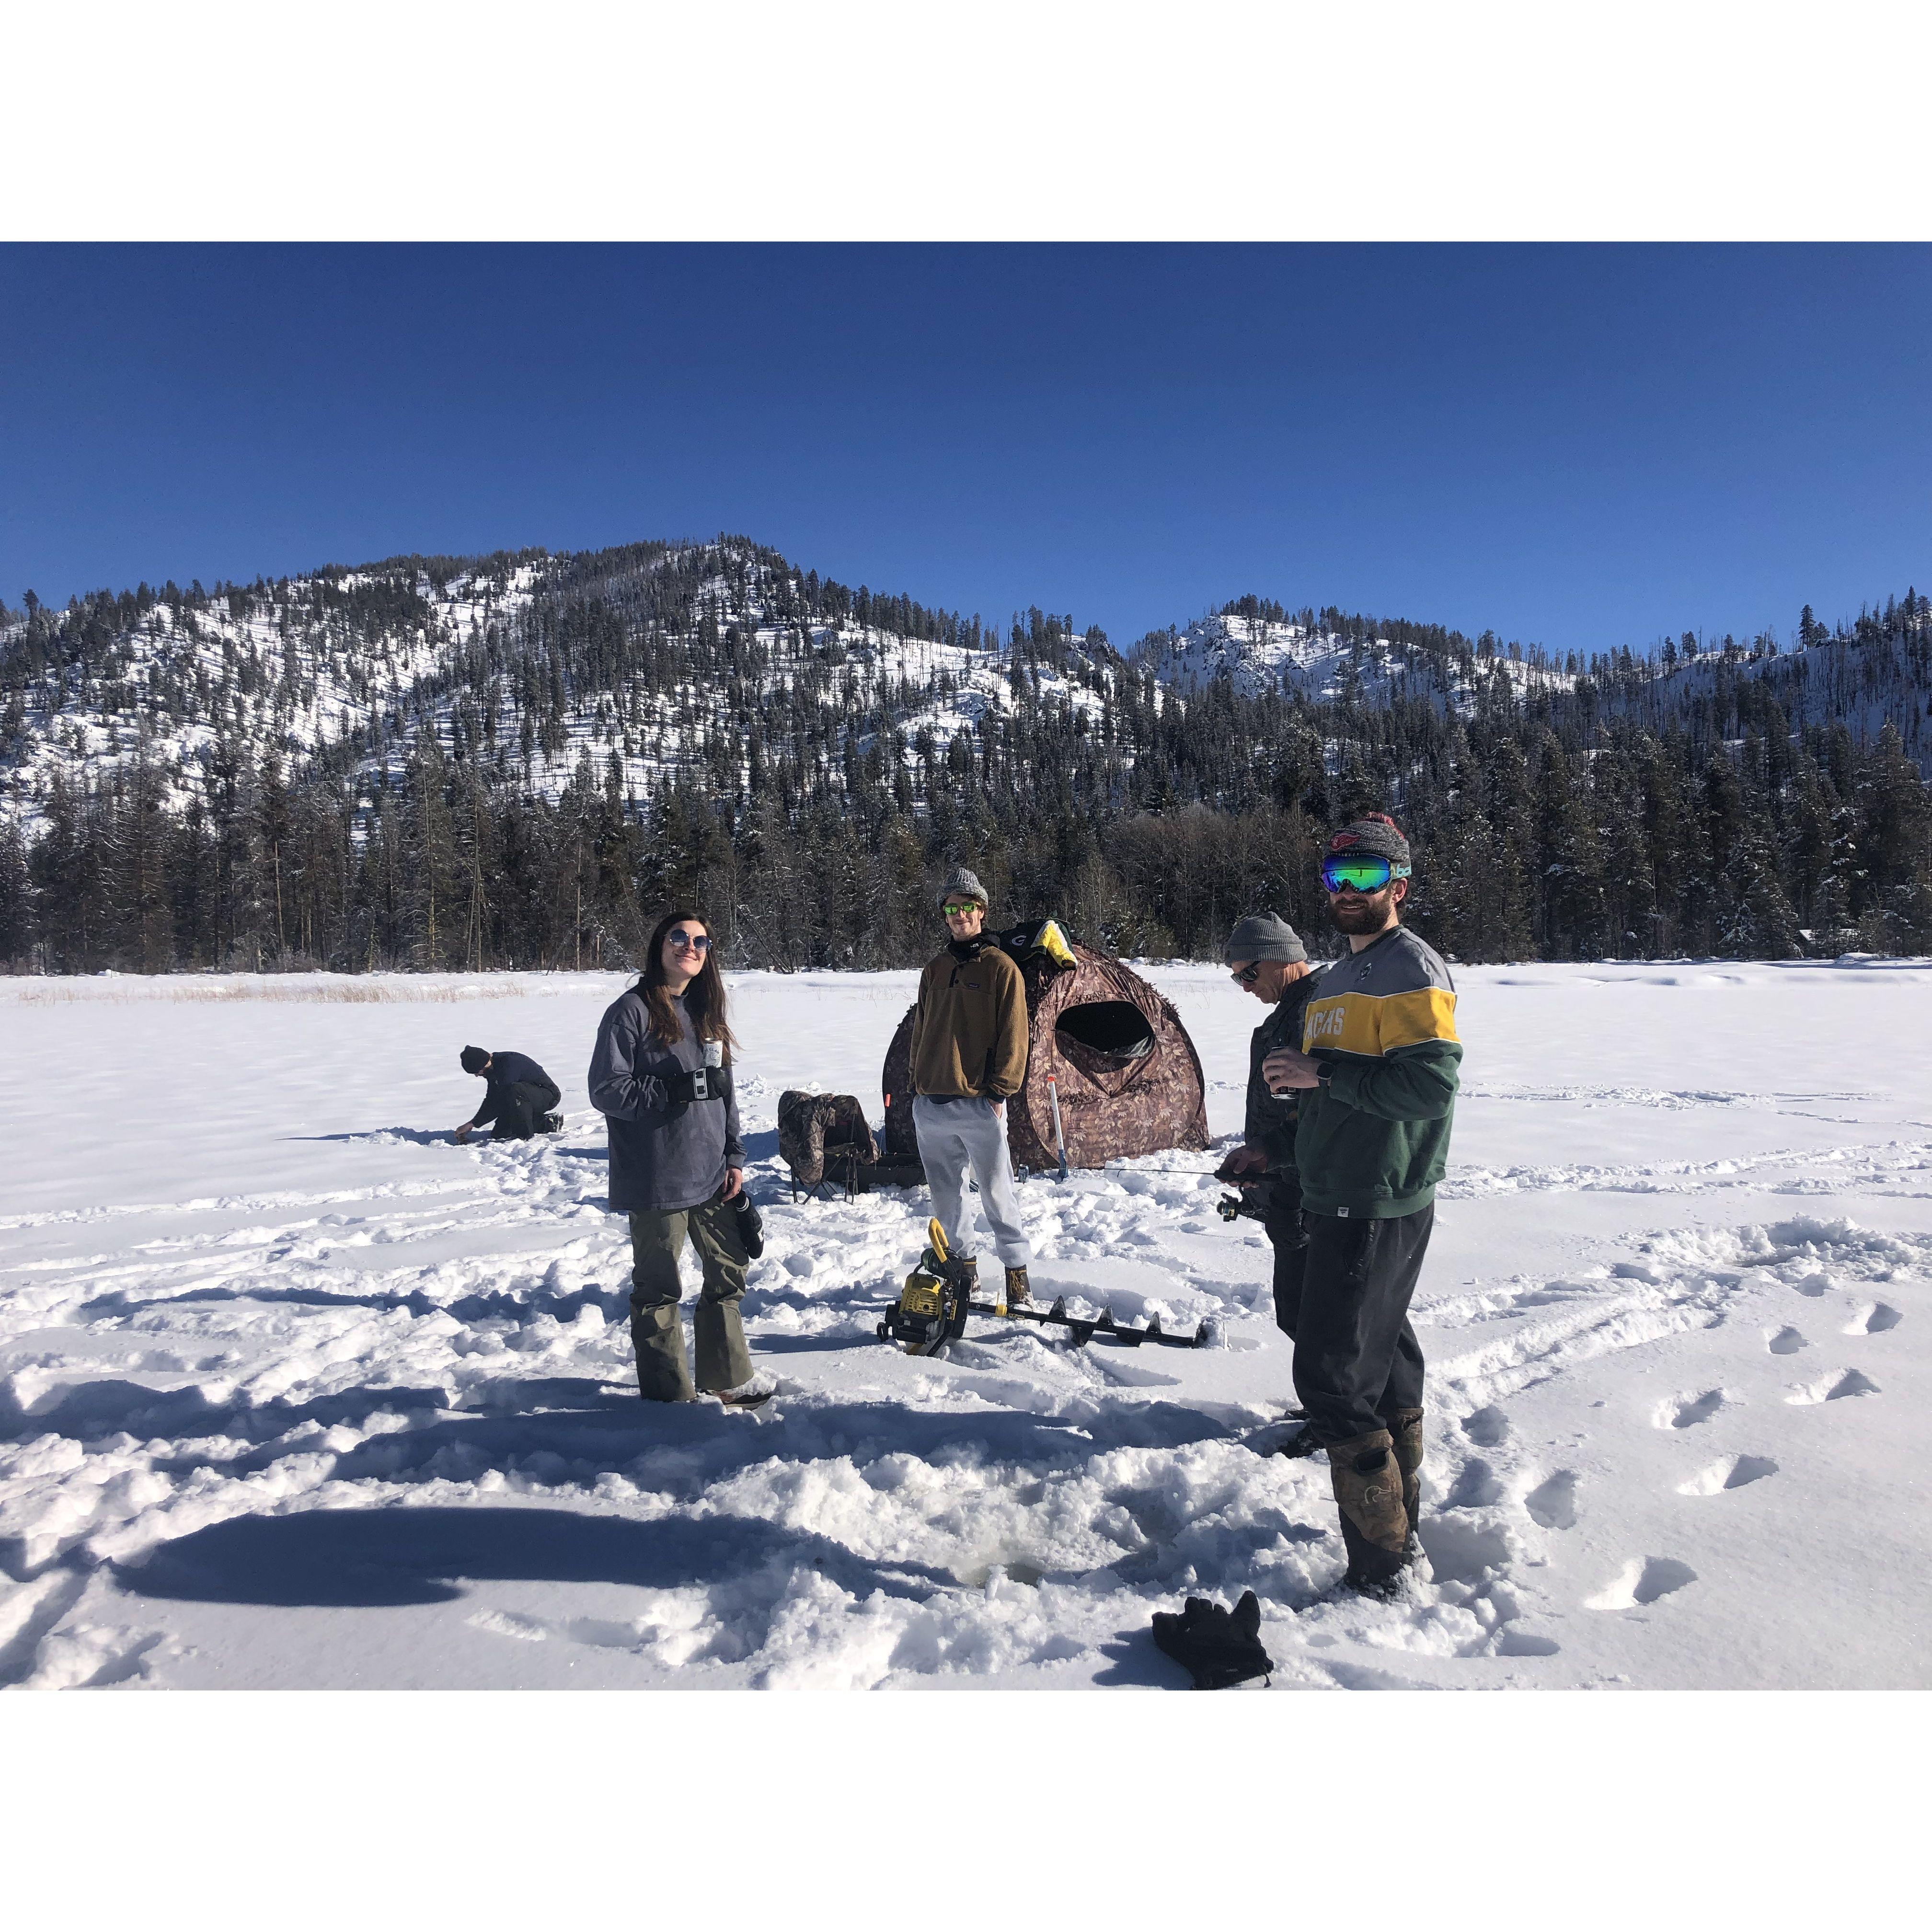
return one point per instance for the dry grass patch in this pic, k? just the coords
(131, 990)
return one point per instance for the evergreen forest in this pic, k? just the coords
(519, 760)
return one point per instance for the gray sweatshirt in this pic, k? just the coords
(664, 1156)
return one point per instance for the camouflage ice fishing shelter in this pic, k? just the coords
(1129, 1079)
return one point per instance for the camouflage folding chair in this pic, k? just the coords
(825, 1142)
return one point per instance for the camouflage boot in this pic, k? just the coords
(1367, 1481)
(1405, 1431)
(1017, 1289)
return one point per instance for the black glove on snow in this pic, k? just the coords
(1216, 1650)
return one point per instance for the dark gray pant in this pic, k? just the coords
(1357, 1360)
(1289, 1240)
(523, 1106)
(656, 1329)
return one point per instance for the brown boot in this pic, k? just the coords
(1405, 1432)
(1367, 1481)
(1017, 1289)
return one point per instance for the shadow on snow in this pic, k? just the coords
(374, 1557)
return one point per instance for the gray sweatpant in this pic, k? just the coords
(954, 1136)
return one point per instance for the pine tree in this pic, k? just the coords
(1897, 848)
(434, 894)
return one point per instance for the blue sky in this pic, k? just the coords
(1584, 447)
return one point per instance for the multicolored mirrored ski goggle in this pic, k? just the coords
(1359, 872)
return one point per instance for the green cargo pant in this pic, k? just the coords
(656, 1242)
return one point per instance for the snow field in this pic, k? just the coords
(293, 1391)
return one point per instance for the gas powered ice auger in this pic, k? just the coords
(938, 1297)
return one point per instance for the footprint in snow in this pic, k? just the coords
(1686, 1412)
(1832, 1388)
(1730, 1472)
(1873, 1319)
(1511, 1642)
(1487, 1429)
(1475, 1487)
(1642, 1581)
(1463, 1550)
(1552, 1503)
(1785, 1341)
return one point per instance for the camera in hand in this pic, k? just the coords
(711, 1081)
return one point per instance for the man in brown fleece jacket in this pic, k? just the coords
(969, 1054)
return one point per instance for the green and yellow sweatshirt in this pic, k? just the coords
(1373, 1139)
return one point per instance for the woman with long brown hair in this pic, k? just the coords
(661, 1075)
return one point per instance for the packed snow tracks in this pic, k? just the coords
(368, 1417)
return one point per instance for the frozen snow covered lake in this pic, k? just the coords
(295, 1392)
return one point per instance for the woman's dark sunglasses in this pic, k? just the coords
(688, 942)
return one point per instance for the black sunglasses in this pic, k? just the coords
(1249, 973)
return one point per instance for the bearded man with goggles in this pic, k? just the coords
(1378, 1068)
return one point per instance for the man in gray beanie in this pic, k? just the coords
(969, 1054)
(1266, 958)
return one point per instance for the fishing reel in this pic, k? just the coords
(1249, 1200)
(1251, 1203)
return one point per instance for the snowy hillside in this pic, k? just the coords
(1862, 678)
(293, 1391)
(718, 664)
(514, 760)
(182, 683)
(1259, 655)
(688, 646)
(1862, 675)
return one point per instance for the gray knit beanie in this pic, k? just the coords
(963, 883)
(1263, 935)
(1377, 833)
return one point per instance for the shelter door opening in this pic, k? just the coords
(1115, 1030)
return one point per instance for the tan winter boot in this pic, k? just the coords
(1017, 1289)
(1405, 1431)
(1367, 1481)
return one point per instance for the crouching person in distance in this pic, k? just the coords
(661, 1075)
(1265, 957)
(1377, 1076)
(969, 1055)
(517, 1096)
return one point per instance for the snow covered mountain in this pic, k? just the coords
(656, 661)
(723, 663)
(181, 679)
(1336, 663)
(463, 762)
